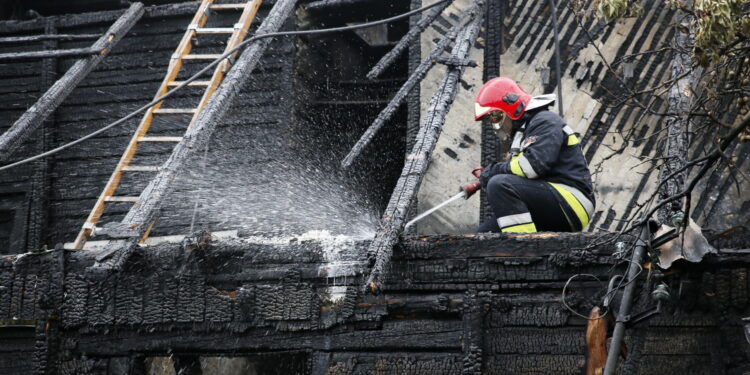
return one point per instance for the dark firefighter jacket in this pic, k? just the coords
(550, 151)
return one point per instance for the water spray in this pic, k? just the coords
(466, 191)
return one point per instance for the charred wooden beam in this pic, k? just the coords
(40, 180)
(416, 77)
(476, 298)
(472, 340)
(393, 221)
(414, 99)
(492, 148)
(324, 4)
(72, 52)
(142, 215)
(73, 20)
(34, 116)
(46, 37)
(406, 41)
(451, 61)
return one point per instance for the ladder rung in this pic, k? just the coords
(140, 168)
(120, 199)
(159, 139)
(192, 84)
(214, 30)
(227, 6)
(201, 56)
(175, 110)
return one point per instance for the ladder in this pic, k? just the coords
(236, 34)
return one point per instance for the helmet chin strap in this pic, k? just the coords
(515, 147)
(518, 129)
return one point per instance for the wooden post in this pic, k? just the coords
(492, 148)
(34, 116)
(40, 180)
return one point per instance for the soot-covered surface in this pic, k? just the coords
(468, 304)
(269, 168)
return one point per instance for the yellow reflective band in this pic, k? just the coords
(577, 207)
(523, 228)
(515, 166)
(573, 140)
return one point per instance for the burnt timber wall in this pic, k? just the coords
(298, 105)
(453, 305)
(125, 80)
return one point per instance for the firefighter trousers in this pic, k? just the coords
(523, 205)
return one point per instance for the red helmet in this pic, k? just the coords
(501, 94)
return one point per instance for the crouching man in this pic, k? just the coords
(546, 185)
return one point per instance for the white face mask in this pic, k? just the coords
(501, 134)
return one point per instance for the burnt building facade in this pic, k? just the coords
(258, 258)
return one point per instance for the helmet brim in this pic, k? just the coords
(480, 111)
(541, 101)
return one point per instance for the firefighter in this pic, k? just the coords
(546, 185)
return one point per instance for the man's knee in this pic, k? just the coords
(501, 184)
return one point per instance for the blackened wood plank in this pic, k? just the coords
(32, 118)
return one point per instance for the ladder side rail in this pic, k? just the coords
(246, 19)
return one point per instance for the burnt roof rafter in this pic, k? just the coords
(394, 217)
(140, 217)
(406, 41)
(416, 77)
(34, 116)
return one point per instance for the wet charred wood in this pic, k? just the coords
(73, 20)
(449, 61)
(143, 214)
(35, 116)
(452, 304)
(417, 161)
(414, 79)
(327, 4)
(46, 37)
(406, 41)
(73, 52)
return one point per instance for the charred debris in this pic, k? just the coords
(388, 302)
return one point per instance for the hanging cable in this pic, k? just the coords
(213, 64)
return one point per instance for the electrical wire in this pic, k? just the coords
(213, 64)
(610, 293)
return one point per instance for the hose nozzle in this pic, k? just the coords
(472, 187)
